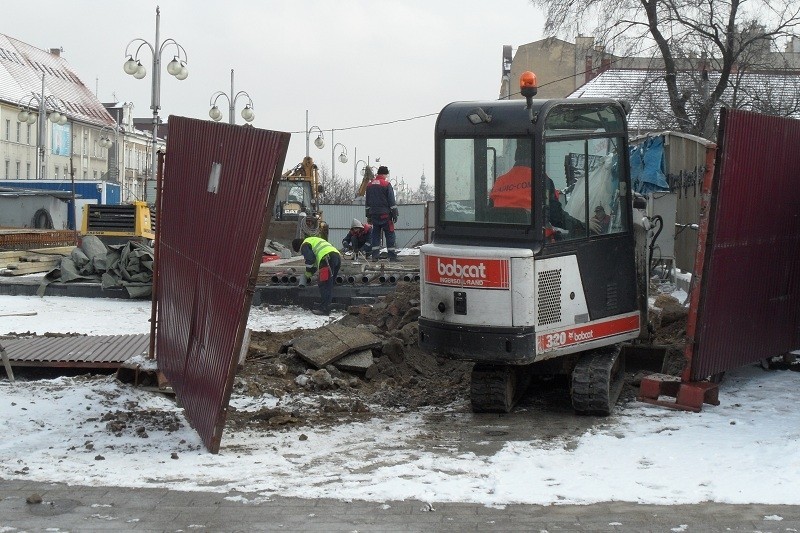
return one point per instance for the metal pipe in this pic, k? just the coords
(383, 278)
(275, 278)
(392, 279)
(339, 280)
(408, 277)
(151, 354)
(366, 278)
(292, 279)
(351, 279)
(416, 277)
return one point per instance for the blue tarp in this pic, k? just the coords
(647, 166)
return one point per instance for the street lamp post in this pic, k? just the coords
(247, 113)
(176, 67)
(105, 141)
(30, 115)
(355, 176)
(342, 157)
(319, 142)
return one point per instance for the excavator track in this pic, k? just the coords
(597, 381)
(497, 389)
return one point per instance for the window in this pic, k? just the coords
(582, 157)
(484, 183)
(85, 175)
(66, 172)
(19, 128)
(8, 169)
(8, 129)
(18, 173)
(29, 134)
(95, 175)
(27, 171)
(56, 173)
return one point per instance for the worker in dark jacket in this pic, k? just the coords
(322, 256)
(382, 212)
(358, 238)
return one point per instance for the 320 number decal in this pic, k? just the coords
(554, 340)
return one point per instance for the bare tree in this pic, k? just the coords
(336, 190)
(692, 38)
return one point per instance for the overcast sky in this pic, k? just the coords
(349, 63)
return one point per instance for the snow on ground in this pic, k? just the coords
(741, 451)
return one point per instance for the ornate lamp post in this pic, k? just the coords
(355, 175)
(342, 157)
(33, 110)
(247, 113)
(176, 67)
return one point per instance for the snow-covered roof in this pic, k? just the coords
(775, 93)
(21, 69)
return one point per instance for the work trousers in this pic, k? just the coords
(334, 261)
(382, 223)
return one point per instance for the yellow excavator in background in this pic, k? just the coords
(296, 213)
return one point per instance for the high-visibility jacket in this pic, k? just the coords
(319, 248)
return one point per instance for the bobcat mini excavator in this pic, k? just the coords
(549, 287)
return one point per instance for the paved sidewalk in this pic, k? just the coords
(76, 508)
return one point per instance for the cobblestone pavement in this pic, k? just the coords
(77, 508)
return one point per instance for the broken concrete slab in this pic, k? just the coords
(356, 362)
(331, 343)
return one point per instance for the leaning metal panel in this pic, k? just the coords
(218, 186)
(745, 296)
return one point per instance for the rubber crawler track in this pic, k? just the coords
(597, 381)
(497, 389)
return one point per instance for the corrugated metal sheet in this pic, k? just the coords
(211, 235)
(99, 351)
(747, 307)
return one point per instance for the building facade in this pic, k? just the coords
(51, 125)
(135, 161)
(53, 128)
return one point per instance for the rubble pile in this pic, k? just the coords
(376, 364)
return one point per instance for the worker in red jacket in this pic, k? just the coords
(358, 239)
(382, 212)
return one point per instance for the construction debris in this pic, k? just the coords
(21, 262)
(333, 342)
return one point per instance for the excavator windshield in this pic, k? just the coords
(553, 178)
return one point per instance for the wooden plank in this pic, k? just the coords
(40, 258)
(20, 269)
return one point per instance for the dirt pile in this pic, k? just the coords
(397, 375)
(668, 318)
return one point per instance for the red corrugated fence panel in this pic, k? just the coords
(211, 234)
(749, 299)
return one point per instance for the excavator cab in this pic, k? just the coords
(532, 267)
(293, 198)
